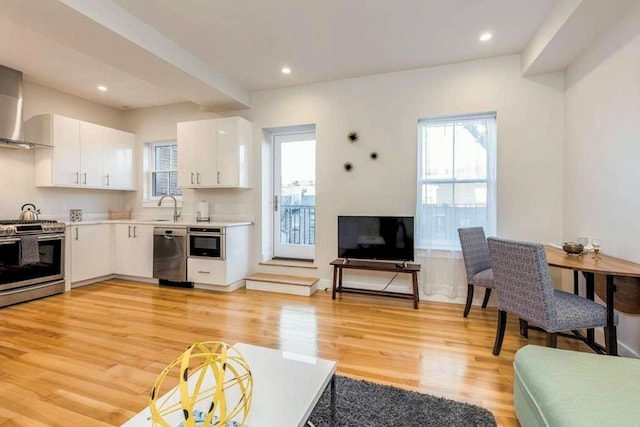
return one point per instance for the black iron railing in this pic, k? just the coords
(298, 224)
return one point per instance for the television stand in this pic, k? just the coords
(339, 264)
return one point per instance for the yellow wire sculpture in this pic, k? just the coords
(214, 386)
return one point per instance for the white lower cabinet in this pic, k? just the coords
(210, 272)
(133, 250)
(223, 275)
(97, 250)
(90, 251)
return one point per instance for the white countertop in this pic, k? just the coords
(163, 222)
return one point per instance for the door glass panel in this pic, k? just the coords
(298, 193)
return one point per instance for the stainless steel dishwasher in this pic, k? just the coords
(170, 254)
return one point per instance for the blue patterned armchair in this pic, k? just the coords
(524, 288)
(477, 263)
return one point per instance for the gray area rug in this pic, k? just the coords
(365, 404)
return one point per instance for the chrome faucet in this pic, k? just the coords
(176, 215)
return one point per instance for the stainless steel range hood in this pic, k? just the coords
(11, 135)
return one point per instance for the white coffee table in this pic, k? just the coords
(287, 386)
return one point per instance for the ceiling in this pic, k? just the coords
(215, 53)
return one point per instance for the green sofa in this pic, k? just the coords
(567, 388)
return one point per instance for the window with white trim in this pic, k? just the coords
(161, 176)
(456, 178)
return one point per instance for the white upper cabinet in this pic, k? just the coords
(214, 153)
(84, 154)
(118, 160)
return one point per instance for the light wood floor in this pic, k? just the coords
(90, 356)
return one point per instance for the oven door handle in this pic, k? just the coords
(8, 241)
(200, 234)
(52, 237)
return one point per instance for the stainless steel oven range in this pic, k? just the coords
(31, 260)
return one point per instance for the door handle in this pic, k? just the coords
(9, 242)
(51, 237)
(76, 237)
(192, 178)
(218, 177)
(129, 231)
(275, 203)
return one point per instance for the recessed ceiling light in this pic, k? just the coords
(286, 70)
(102, 88)
(486, 36)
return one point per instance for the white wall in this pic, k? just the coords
(384, 109)
(602, 150)
(17, 166)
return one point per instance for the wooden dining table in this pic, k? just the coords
(606, 265)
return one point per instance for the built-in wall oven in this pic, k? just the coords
(206, 242)
(31, 260)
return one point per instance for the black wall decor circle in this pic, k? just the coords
(373, 155)
(353, 136)
(348, 166)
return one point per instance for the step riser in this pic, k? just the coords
(283, 288)
(289, 271)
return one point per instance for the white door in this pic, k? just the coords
(92, 140)
(90, 251)
(206, 158)
(187, 141)
(227, 152)
(124, 255)
(118, 160)
(66, 166)
(294, 184)
(142, 250)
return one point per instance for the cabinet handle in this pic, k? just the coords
(129, 231)
(218, 177)
(134, 231)
(204, 272)
(197, 177)
(275, 203)
(84, 178)
(76, 237)
(192, 178)
(77, 178)
(107, 180)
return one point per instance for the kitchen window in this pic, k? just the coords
(456, 178)
(161, 166)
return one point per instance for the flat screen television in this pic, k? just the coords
(385, 238)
